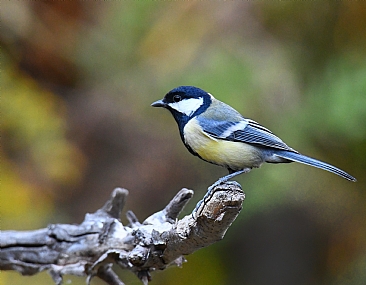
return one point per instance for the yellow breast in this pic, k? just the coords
(235, 155)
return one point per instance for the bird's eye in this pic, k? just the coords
(177, 98)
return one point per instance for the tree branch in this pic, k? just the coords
(101, 240)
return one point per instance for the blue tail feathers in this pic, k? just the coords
(297, 157)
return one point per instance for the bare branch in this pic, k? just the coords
(107, 274)
(101, 240)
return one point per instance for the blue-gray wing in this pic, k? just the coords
(246, 131)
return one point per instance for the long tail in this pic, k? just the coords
(297, 157)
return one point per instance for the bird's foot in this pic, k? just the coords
(226, 178)
(210, 190)
(234, 183)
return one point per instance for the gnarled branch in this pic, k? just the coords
(101, 240)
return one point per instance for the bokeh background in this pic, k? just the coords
(77, 81)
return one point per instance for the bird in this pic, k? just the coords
(218, 134)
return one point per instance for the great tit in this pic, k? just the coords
(217, 133)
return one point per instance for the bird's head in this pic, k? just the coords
(185, 102)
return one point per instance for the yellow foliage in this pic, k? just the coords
(34, 128)
(36, 157)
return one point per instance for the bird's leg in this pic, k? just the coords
(226, 178)
(217, 183)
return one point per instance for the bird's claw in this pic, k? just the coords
(222, 180)
(234, 183)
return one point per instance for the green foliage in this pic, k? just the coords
(337, 99)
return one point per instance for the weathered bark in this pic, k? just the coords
(101, 240)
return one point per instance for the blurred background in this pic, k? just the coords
(77, 80)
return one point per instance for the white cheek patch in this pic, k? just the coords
(237, 127)
(187, 106)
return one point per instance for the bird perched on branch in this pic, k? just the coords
(217, 133)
